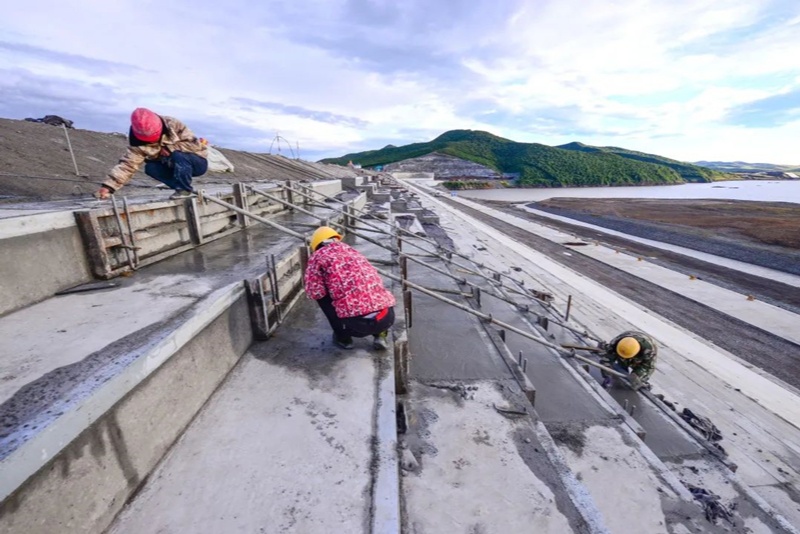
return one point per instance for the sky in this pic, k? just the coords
(692, 80)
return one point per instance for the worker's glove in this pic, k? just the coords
(602, 345)
(637, 383)
(102, 193)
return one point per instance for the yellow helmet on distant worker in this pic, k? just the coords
(323, 233)
(628, 347)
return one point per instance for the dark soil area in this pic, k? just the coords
(35, 164)
(764, 350)
(760, 233)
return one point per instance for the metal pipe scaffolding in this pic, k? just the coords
(460, 280)
(427, 240)
(468, 269)
(488, 317)
(421, 289)
(203, 197)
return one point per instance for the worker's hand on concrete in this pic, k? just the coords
(103, 193)
(637, 383)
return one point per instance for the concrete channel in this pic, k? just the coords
(153, 405)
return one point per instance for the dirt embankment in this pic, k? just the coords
(35, 164)
(760, 233)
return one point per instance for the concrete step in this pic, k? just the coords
(98, 385)
(287, 444)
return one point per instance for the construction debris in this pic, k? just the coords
(712, 506)
(53, 120)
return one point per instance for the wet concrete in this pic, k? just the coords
(54, 380)
(286, 444)
(663, 437)
(478, 471)
(447, 343)
(283, 446)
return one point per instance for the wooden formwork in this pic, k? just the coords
(122, 240)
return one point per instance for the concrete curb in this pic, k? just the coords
(38, 451)
(386, 485)
(35, 223)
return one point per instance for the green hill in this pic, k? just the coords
(540, 165)
(690, 172)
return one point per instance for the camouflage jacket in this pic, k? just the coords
(644, 363)
(176, 137)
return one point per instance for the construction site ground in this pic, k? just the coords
(707, 358)
(303, 437)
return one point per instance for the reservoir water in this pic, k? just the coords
(771, 191)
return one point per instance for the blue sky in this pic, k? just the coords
(687, 79)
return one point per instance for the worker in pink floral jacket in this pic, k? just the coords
(349, 290)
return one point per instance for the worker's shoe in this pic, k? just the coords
(344, 343)
(181, 194)
(380, 342)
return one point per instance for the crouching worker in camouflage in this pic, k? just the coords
(168, 148)
(633, 353)
(349, 290)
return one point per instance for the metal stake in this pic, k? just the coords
(71, 153)
(130, 231)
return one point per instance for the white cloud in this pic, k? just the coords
(348, 75)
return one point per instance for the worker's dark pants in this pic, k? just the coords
(351, 327)
(177, 170)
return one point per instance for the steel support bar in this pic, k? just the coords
(489, 318)
(203, 197)
(131, 235)
(470, 270)
(298, 208)
(323, 205)
(429, 266)
(422, 289)
(122, 236)
(326, 220)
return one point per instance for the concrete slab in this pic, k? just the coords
(285, 445)
(778, 321)
(559, 396)
(691, 372)
(719, 363)
(478, 471)
(447, 343)
(63, 349)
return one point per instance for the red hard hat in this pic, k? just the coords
(146, 125)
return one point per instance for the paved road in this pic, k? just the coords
(767, 351)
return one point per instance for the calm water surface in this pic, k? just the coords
(773, 191)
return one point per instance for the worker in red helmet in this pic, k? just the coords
(349, 290)
(172, 154)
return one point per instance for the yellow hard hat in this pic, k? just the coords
(628, 347)
(321, 234)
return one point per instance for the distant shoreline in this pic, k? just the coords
(759, 233)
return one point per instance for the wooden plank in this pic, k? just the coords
(93, 240)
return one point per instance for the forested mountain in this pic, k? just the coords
(574, 164)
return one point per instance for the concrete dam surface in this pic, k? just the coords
(163, 371)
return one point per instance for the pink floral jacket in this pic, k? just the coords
(353, 284)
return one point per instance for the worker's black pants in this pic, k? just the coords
(351, 327)
(177, 169)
